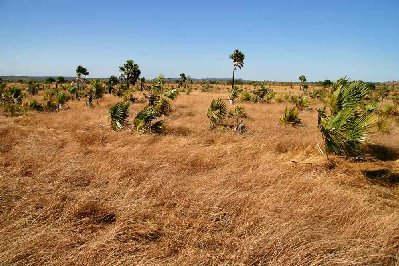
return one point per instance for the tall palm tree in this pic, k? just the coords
(302, 79)
(80, 70)
(238, 61)
(130, 72)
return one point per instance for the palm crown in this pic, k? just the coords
(238, 58)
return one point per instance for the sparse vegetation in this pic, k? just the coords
(142, 191)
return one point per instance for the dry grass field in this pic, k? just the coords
(74, 192)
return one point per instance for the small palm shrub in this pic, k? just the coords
(16, 95)
(118, 113)
(245, 96)
(163, 106)
(144, 120)
(290, 116)
(205, 87)
(347, 126)
(217, 111)
(35, 105)
(33, 87)
(11, 101)
(159, 104)
(301, 102)
(238, 113)
(264, 94)
(171, 94)
(235, 92)
(97, 89)
(62, 98)
(279, 98)
(51, 101)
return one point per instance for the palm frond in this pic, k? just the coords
(143, 119)
(217, 111)
(118, 114)
(290, 116)
(171, 94)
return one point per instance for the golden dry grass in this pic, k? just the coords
(73, 192)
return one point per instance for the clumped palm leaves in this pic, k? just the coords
(97, 89)
(301, 102)
(118, 114)
(162, 105)
(35, 105)
(238, 113)
(235, 92)
(159, 104)
(112, 81)
(290, 116)
(33, 87)
(217, 111)
(264, 94)
(171, 94)
(144, 120)
(11, 101)
(348, 124)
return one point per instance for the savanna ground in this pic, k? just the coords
(74, 192)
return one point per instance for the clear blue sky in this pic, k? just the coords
(322, 39)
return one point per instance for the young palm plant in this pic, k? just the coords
(118, 114)
(217, 111)
(290, 116)
(348, 124)
(144, 120)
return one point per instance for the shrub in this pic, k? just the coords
(35, 105)
(171, 94)
(264, 94)
(217, 111)
(302, 102)
(144, 120)
(290, 116)
(118, 114)
(238, 113)
(348, 124)
(97, 90)
(33, 87)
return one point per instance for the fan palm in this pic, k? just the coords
(238, 61)
(143, 119)
(290, 116)
(217, 111)
(349, 124)
(130, 72)
(118, 114)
